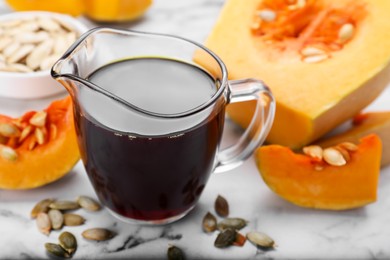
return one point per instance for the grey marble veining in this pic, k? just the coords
(299, 233)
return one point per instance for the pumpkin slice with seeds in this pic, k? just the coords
(38, 147)
(334, 182)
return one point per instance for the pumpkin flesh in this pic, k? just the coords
(312, 98)
(47, 162)
(295, 178)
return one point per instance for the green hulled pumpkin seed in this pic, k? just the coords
(225, 238)
(209, 223)
(221, 206)
(68, 242)
(71, 219)
(88, 203)
(260, 239)
(64, 205)
(98, 234)
(56, 250)
(234, 223)
(175, 253)
(42, 206)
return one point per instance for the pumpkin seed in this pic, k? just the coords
(64, 205)
(333, 157)
(43, 223)
(312, 51)
(9, 130)
(25, 132)
(42, 206)
(343, 152)
(68, 242)
(267, 15)
(73, 219)
(39, 135)
(56, 250)
(8, 153)
(175, 253)
(346, 32)
(225, 238)
(21, 53)
(98, 234)
(233, 223)
(38, 119)
(315, 58)
(349, 146)
(260, 239)
(56, 218)
(88, 203)
(313, 151)
(209, 223)
(17, 67)
(221, 206)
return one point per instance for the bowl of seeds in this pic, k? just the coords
(30, 43)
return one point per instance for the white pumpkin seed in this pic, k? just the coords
(39, 135)
(333, 157)
(22, 52)
(5, 42)
(38, 119)
(56, 218)
(315, 58)
(313, 151)
(9, 130)
(260, 239)
(25, 132)
(8, 153)
(43, 223)
(267, 15)
(349, 146)
(32, 37)
(48, 24)
(312, 51)
(40, 52)
(48, 62)
(11, 49)
(88, 203)
(346, 32)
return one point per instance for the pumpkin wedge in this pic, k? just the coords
(324, 60)
(309, 182)
(38, 147)
(363, 124)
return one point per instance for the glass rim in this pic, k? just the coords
(72, 50)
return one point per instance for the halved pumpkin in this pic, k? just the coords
(363, 124)
(324, 60)
(306, 182)
(39, 147)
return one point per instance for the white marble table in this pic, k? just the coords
(300, 233)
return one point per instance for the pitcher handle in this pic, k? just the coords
(259, 127)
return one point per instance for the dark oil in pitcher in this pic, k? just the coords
(147, 170)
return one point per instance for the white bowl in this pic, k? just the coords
(30, 85)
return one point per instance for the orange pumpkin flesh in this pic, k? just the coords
(43, 163)
(294, 176)
(312, 98)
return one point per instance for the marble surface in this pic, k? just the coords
(300, 233)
